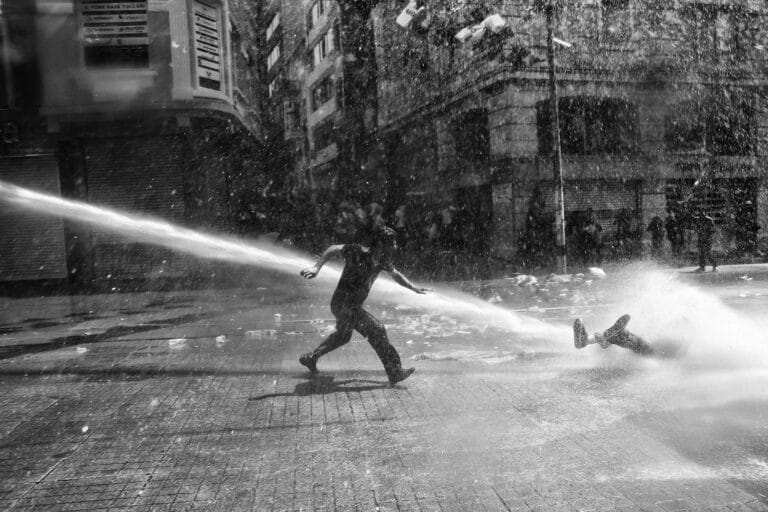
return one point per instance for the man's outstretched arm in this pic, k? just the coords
(403, 281)
(329, 253)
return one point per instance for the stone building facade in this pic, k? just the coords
(142, 106)
(662, 107)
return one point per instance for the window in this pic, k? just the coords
(292, 116)
(330, 40)
(722, 124)
(324, 134)
(685, 128)
(322, 92)
(317, 10)
(324, 47)
(319, 51)
(336, 38)
(730, 123)
(721, 33)
(273, 25)
(589, 126)
(274, 55)
(116, 35)
(471, 135)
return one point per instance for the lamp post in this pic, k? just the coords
(556, 152)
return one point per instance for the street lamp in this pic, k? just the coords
(557, 163)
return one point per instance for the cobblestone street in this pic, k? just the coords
(191, 411)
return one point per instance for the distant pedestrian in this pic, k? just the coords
(705, 231)
(674, 233)
(656, 229)
(593, 239)
(362, 265)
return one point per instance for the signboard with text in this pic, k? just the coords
(206, 21)
(114, 34)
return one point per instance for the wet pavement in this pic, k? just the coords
(195, 400)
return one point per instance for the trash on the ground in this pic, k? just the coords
(409, 342)
(84, 429)
(81, 350)
(745, 277)
(221, 339)
(177, 343)
(597, 272)
(261, 333)
(526, 280)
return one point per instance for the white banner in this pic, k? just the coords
(89, 7)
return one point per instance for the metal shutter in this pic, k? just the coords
(31, 244)
(605, 197)
(139, 176)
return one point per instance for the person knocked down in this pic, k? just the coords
(618, 335)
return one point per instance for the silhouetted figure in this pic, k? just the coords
(674, 233)
(593, 239)
(623, 233)
(537, 243)
(705, 230)
(362, 265)
(656, 229)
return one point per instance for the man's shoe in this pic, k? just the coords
(580, 336)
(616, 328)
(400, 375)
(309, 361)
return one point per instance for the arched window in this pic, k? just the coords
(722, 123)
(589, 125)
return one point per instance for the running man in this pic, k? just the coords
(618, 335)
(362, 266)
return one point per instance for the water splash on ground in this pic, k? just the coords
(724, 356)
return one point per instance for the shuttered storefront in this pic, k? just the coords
(31, 244)
(139, 176)
(605, 197)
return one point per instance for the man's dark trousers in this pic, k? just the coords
(705, 254)
(349, 317)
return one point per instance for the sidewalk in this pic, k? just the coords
(168, 403)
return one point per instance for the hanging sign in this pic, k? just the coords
(207, 44)
(114, 23)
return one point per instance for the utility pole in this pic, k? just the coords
(557, 160)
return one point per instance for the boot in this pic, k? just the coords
(400, 375)
(616, 328)
(580, 337)
(309, 361)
